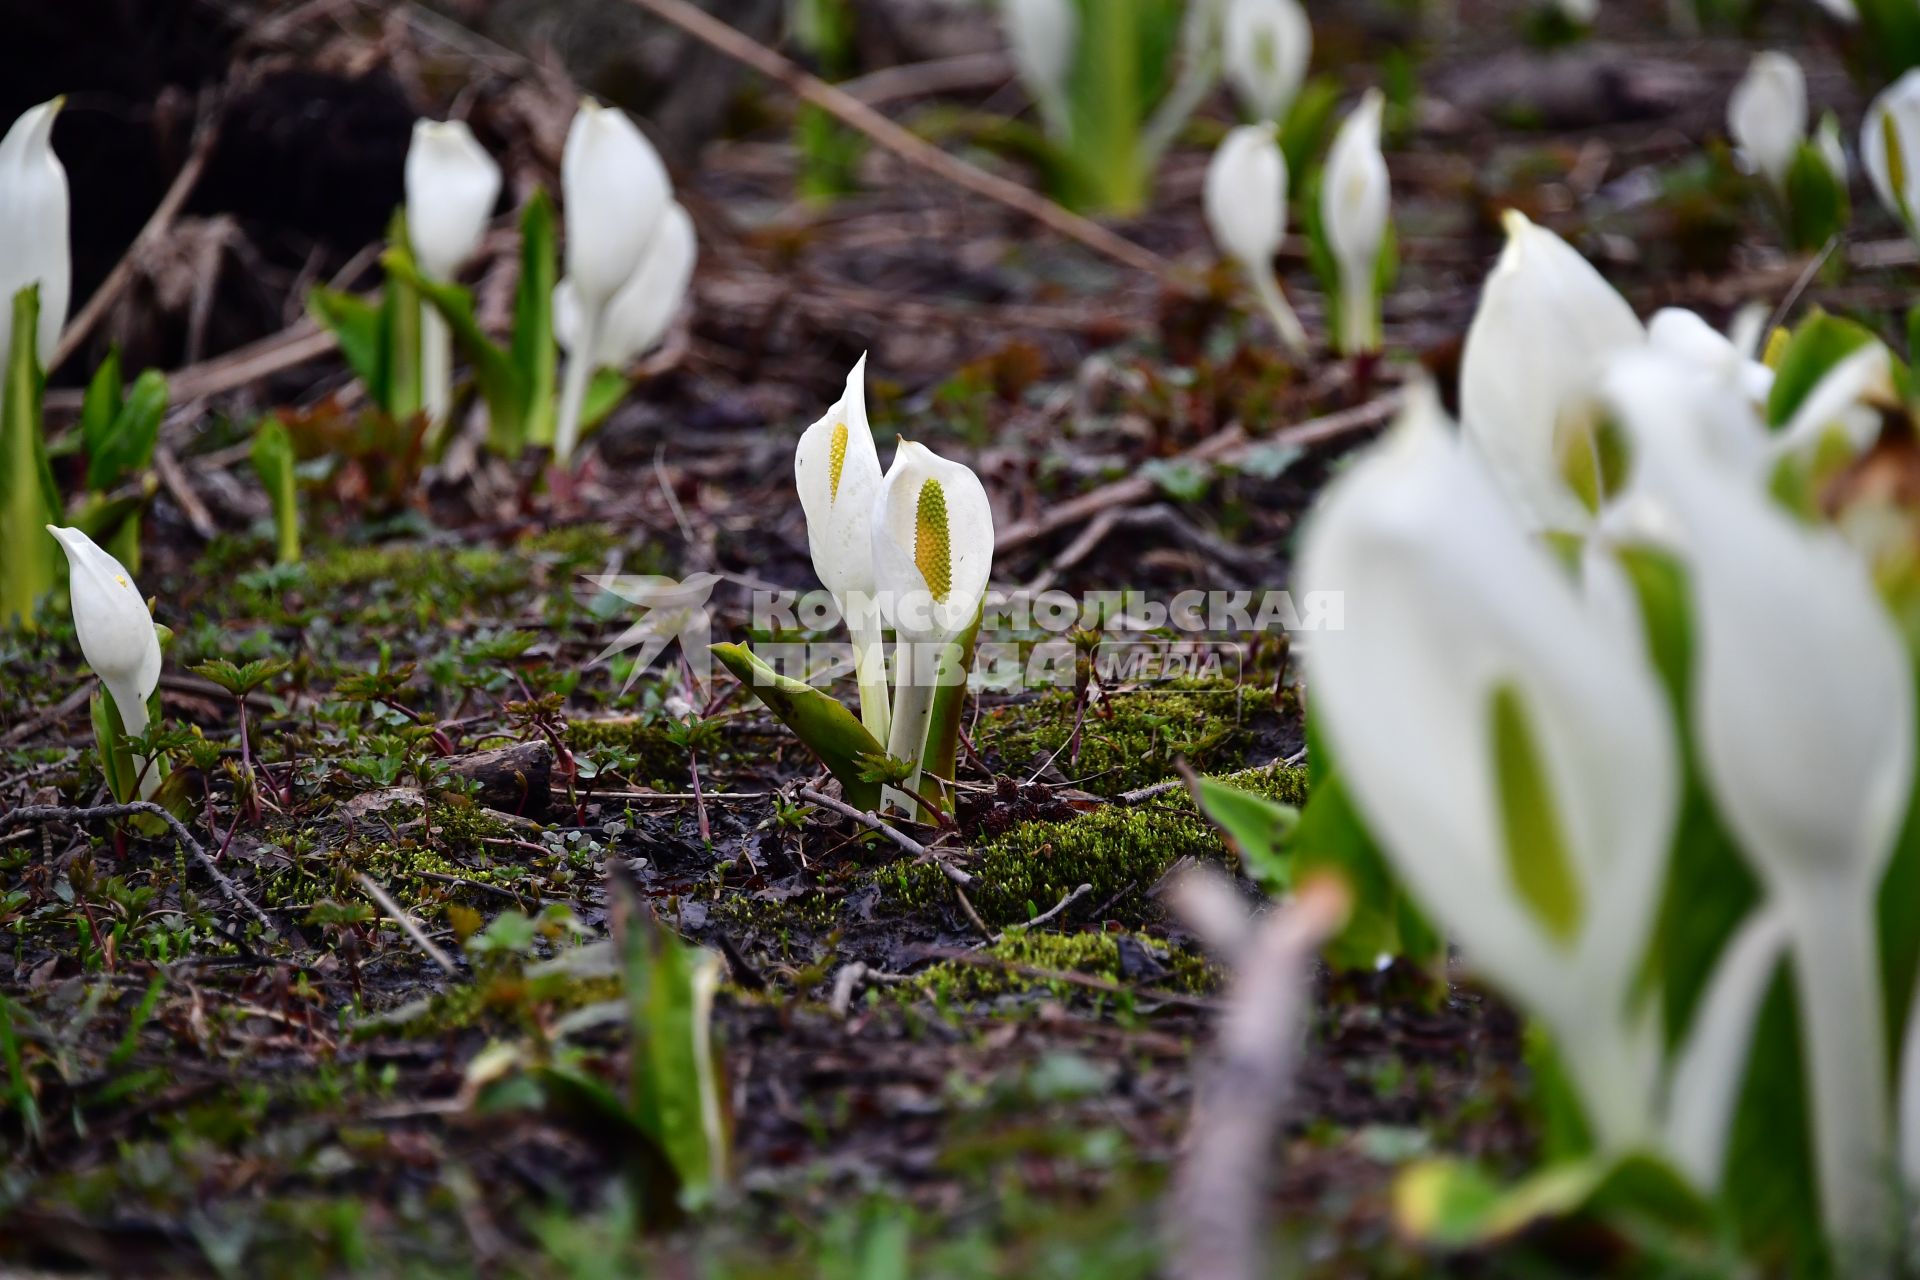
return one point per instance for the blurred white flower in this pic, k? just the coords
(1355, 195)
(1246, 209)
(33, 227)
(1767, 115)
(1266, 47)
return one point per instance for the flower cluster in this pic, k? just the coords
(1584, 626)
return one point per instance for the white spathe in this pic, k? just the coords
(616, 191)
(1767, 115)
(1246, 210)
(452, 184)
(1802, 705)
(116, 631)
(1042, 35)
(1355, 199)
(1448, 600)
(617, 196)
(932, 536)
(1890, 146)
(638, 317)
(1546, 328)
(837, 471)
(1266, 47)
(33, 227)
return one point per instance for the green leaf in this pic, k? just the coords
(831, 731)
(1709, 889)
(1817, 206)
(29, 567)
(1309, 122)
(100, 407)
(1333, 837)
(1538, 858)
(949, 701)
(402, 382)
(273, 459)
(605, 390)
(1457, 1205)
(116, 761)
(675, 1086)
(1821, 342)
(1255, 827)
(493, 369)
(534, 355)
(357, 326)
(126, 443)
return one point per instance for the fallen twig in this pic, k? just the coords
(42, 813)
(1223, 446)
(163, 215)
(857, 115)
(400, 916)
(1049, 914)
(905, 841)
(1215, 1215)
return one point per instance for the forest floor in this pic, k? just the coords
(184, 1092)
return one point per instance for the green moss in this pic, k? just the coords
(1131, 742)
(655, 758)
(1094, 954)
(1114, 848)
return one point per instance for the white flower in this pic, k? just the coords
(452, 184)
(33, 226)
(1546, 327)
(932, 553)
(1246, 208)
(617, 195)
(1355, 193)
(1042, 35)
(1516, 764)
(1266, 46)
(642, 311)
(837, 471)
(1767, 115)
(115, 630)
(1802, 706)
(1579, 12)
(1890, 146)
(616, 192)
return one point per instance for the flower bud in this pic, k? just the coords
(33, 226)
(452, 184)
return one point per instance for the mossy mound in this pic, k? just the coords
(1132, 740)
(1115, 848)
(1098, 955)
(635, 748)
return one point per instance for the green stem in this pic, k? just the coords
(1357, 328)
(1292, 333)
(1843, 1041)
(913, 692)
(436, 371)
(573, 384)
(870, 669)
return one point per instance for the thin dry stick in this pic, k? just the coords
(1215, 1218)
(400, 916)
(905, 841)
(39, 813)
(294, 345)
(1223, 446)
(163, 215)
(856, 114)
(955, 876)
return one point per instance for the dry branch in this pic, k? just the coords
(855, 114)
(42, 813)
(1215, 1216)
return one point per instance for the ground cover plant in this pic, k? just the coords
(1050, 638)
